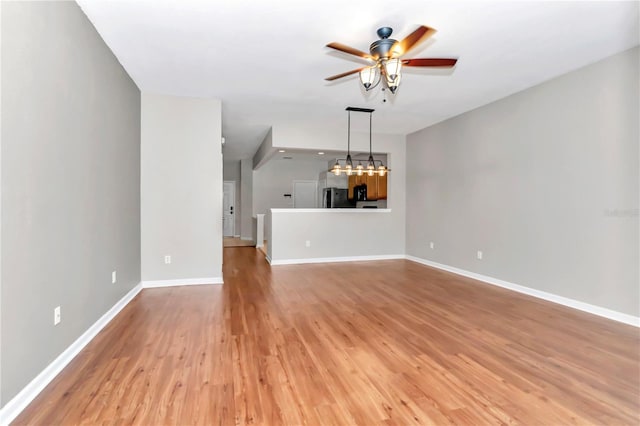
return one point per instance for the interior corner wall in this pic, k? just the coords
(246, 199)
(181, 188)
(544, 182)
(265, 150)
(70, 183)
(231, 172)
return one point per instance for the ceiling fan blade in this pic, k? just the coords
(412, 40)
(350, 50)
(344, 74)
(429, 62)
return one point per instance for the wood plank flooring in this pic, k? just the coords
(369, 343)
(237, 242)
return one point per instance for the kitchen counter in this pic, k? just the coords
(379, 204)
(332, 235)
(336, 210)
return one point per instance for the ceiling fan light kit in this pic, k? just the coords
(370, 77)
(386, 53)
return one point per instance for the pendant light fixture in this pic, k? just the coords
(359, 170)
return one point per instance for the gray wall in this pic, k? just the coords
(181, 181)
(231, 172)
(246, 199)
(275, 178)
(70, 192)
(265, 150)
(544, 182)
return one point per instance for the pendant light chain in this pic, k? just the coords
(370, 132)
(371, 165)
(349, 133)
(349, 164)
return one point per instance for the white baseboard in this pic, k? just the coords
(186, 281)
(334, 259)
(19, 402)
(576, 304)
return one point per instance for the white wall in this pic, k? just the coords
(544, 182)
(246, 199)
(231, 172)
(181, 188)
(275, 178)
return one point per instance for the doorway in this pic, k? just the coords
(228, 207)
(305, 194)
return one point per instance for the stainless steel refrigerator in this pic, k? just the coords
(333, 198)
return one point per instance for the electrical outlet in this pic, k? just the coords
(56, 316)
(167, 259)
(479, 255)
(432, 245)
(307, 243)
(113, 277)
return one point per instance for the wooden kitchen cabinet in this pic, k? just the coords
(352, 184)
(376, 186)
(372, 187)
(382, 187)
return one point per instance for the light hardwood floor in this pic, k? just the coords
(237, 242)
(390, 342)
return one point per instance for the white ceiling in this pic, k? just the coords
(328, 156)
(266, 60)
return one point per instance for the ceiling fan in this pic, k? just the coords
(386, 53)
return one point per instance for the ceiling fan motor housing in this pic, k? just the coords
(381, 49)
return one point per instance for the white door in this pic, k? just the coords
(228, 201)
(305, 194)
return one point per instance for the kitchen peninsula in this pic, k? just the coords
(306, 235)
(331, 235)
